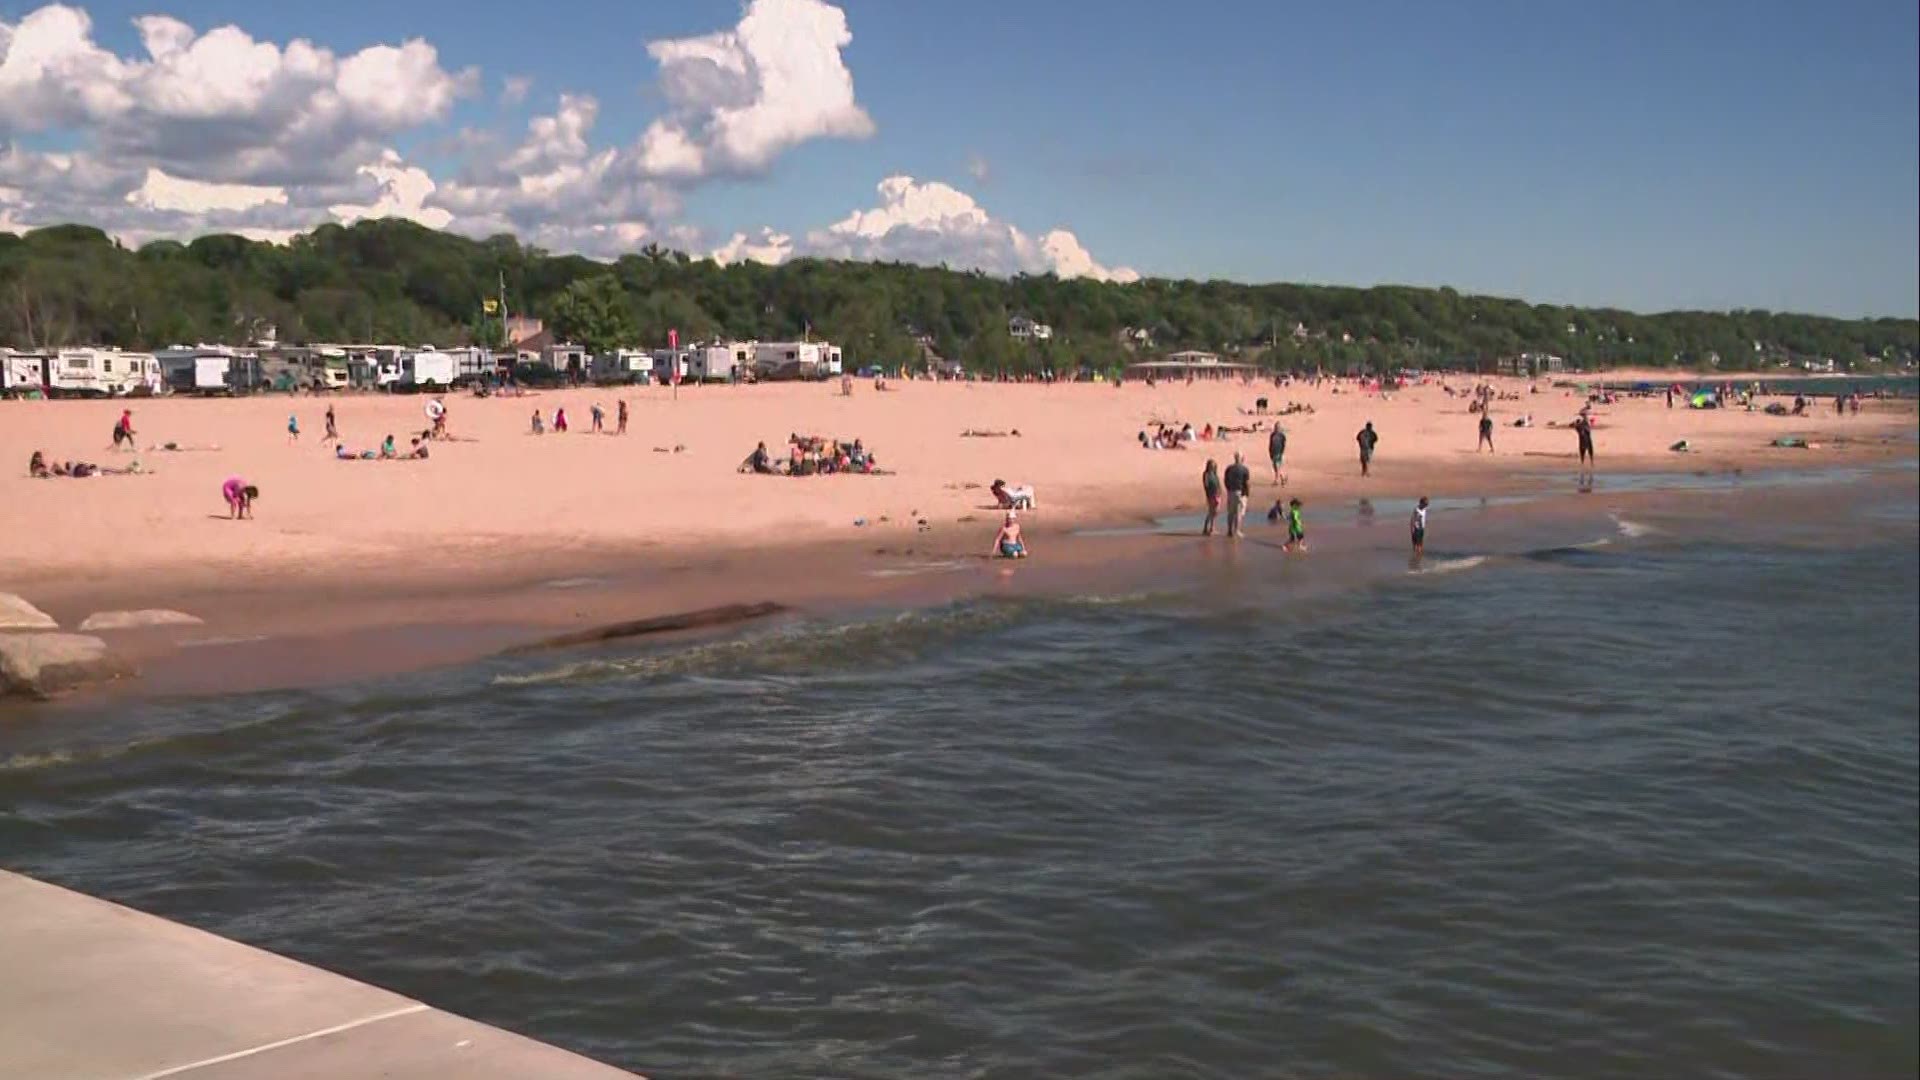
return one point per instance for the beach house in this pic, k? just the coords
(1022, 328)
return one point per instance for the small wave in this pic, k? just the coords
(813, 647)
(573, 583)
(1632, 530)
(1451, 566)
(207, 642)
(29, 762)
(946, 567)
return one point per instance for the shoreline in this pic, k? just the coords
(315, 604)
(266, 639)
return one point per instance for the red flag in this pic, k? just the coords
(673, 338)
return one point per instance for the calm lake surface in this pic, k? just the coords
(1596, 798)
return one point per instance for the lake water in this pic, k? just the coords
(1600, 802)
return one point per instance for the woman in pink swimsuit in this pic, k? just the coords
(239, 495)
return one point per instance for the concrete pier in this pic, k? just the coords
(90, 990)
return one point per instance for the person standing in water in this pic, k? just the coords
(1296, 528)
(1007, 542)
(1418, 526)
(1583, 428)
(1486, 433)
(1210, 487)
(1277, 453)
(1368, 439)
(1239, 484)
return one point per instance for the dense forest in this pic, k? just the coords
(395, 281)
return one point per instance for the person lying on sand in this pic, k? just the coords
(1007, 543)
(970, 433)
(180, 448)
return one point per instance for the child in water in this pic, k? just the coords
(1296, 529)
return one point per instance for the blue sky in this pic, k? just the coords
(1653, 156)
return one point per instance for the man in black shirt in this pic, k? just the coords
(1368, 439)
(1486, 433)
(1277, 452)
(1584, 429)
(1239, 483)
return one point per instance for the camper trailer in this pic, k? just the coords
(207, 369)
(623, 366)
(670, 365)
(790, 359)
(101, 372)
(720, 361)
(22, 373)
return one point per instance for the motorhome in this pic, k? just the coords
(207, 369)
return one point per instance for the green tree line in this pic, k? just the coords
(396, 281)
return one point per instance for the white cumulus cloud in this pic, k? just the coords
(933, 223)
(739, 98)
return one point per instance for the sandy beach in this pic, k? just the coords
(504, 528)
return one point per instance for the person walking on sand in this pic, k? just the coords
(620, 418)
(1583, 428)
(1239, 484)
(239, 495)
(293, 429)
(1418, 527)
(1368, 439)
(599, 417)
(559, 421)
(1210, 487)
(1296, 528)
(1486, 433)
(333, 429)
(1277, 453)
(123, 431)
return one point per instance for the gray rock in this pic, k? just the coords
(41, 665)
(17, 614)
(134, 620)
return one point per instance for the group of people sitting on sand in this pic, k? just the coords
(1262, 408)
(813, 455)
(388, 451)
(1181, 436)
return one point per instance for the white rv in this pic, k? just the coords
(623, 366)
(22, 372)
(791, 359)
(427, 369)
(720, 361)
(670, 365)
(106, 372)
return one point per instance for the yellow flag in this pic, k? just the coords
(490, 306)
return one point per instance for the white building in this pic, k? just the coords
(1021, 328)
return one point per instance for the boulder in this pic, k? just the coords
(41, 665)
(136, 620)
(17, 614)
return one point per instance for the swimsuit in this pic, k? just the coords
(1012, 549)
